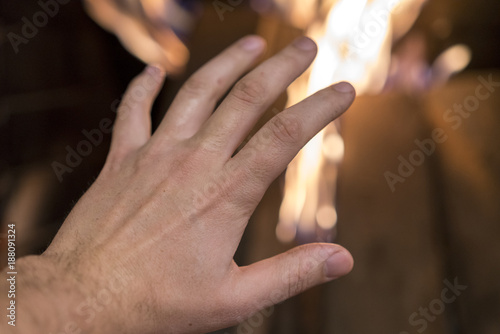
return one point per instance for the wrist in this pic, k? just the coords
(52, 299)
(45, 296)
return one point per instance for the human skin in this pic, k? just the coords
(149, 247)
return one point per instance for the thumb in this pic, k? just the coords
(273, 280)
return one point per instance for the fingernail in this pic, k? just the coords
(305, 44)
(343, 87)
(338, 264)
(252, 43)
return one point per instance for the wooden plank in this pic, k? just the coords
(398, 266)
(470, 185)
(393, 236)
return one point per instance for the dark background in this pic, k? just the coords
(442, 224)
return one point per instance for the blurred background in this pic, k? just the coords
(408, 180)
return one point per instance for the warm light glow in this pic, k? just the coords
(451, 61)
(153, 44)
(344, 18)
(299, 12)
(326, 217)
(354, 44)
(301, 196)
(333, 148)
(286, 232)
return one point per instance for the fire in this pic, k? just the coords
(354, 44)
(355, 40)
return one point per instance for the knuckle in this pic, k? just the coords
(249, 91)
(286, 129)
(249, 187)
(205, 147)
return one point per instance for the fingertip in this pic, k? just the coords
(338, 264)
(156, 70)
(252, 43)
(346, 97)
(345, 88)
(305, 44)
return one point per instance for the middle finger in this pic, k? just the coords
(252, 95)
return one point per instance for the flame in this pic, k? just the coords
(354, 44)
(354, 40)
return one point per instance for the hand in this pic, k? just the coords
(149, 248)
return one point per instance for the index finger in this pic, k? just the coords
(272, 148)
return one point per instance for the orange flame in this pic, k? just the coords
(354, 44)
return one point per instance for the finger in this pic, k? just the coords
(132, 127)
(196, 100)
(276, 279)
(272, 148)
(252, 95)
